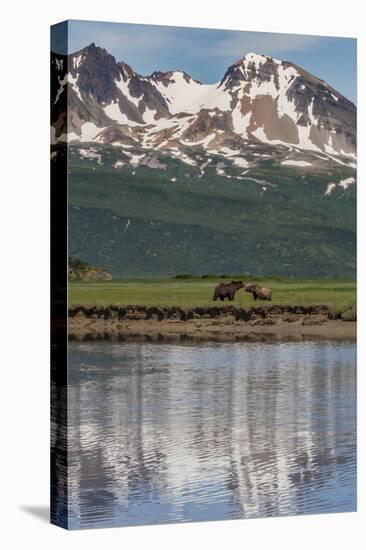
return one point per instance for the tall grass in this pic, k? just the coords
(339, 294)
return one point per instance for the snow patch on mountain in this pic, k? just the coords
(91, 154)
(134, 159)
(261, 136)
(123, 86)
(114, 113)
(347, 182)
(68, 79)
(298, 163)
(242, 163)
(73, 82)
(330, 188)
(189, 96)
(76, 61)
(149, 116)
(59, 64)
(228, 151)
(240, 121)
(284, 105)
(89, 131)
(184, 158)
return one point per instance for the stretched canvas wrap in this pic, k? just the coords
(203, 274)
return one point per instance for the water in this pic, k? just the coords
(164, 433)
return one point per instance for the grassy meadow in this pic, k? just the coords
(336, 293)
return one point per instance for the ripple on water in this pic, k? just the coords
(163, 433)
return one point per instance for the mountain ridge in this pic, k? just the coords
(262, 100)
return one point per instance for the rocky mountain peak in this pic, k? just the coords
(94, 70)
(252, 67)
(259, 59)
(92, 48)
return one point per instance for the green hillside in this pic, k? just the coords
(139, 223)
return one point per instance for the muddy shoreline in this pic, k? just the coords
(215, 323)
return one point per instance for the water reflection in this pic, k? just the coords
(162, 432)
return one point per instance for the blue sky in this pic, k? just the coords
(205, 54)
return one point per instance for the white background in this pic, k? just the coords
(24, 314)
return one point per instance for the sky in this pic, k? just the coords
(205, 54)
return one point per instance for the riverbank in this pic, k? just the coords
(218, 323)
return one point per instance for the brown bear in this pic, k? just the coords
(259, 292)
(227, 290)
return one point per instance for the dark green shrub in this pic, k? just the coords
(346, 313)
(349, 315)
(184, 276)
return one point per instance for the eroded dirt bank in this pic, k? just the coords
(224, 323)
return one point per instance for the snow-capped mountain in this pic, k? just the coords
(260, 100)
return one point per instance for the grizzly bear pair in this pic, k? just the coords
(228, 290)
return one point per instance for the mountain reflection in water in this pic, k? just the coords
(169, 432)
